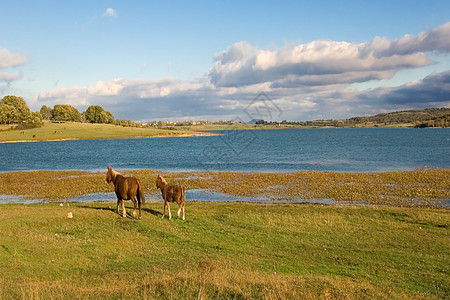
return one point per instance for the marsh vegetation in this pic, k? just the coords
(426, 187)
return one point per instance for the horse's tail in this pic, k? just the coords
(141, 192)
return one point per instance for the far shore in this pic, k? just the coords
(134, 137)
(70, 131)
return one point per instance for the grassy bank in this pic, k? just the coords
(73, 131)
(415, 188)
(224, 250)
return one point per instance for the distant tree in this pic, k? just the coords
(36, 117)
(96, 114)
(107, 117)
(8, 114)
(34, 121)
(65, 112)
(23, 111)
(92, 114)
(46, 112)
(124, 123)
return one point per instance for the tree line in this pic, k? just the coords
(68, 113)
(14, 110)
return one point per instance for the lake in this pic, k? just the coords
(287, 150)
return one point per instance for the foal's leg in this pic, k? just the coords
(164, 210)
(168, 208)
(179, 211)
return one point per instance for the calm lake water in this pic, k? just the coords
(288, 150)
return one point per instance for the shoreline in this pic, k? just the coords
(111, 138)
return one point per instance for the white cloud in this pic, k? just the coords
(109, 12)
(9, 77)
(437, 39)
(8, 59)
(110, 88)
(74, 96)
(321, 59)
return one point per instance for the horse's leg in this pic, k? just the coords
(117, 208)
(124, 213)
(138, 197)
(183, 211)
(135, 204)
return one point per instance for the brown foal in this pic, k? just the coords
(171, 193)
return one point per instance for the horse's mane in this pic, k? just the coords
(162, 179)
(114, 172)
(161, 182)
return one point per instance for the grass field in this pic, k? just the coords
(74, 131)
(224, 251)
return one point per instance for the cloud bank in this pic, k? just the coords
(306, 81)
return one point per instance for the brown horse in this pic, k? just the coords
(171, 193)
(126, 188)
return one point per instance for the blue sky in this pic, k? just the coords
(177, 60)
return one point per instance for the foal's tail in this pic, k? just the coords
(141, 192)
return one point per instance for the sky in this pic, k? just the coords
(227, 60)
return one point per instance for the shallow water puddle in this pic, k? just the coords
(192, 195)
(14, 199)
(207, 195)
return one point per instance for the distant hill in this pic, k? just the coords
(429, 117)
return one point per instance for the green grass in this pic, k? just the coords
(224, 250)
(74, 131)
